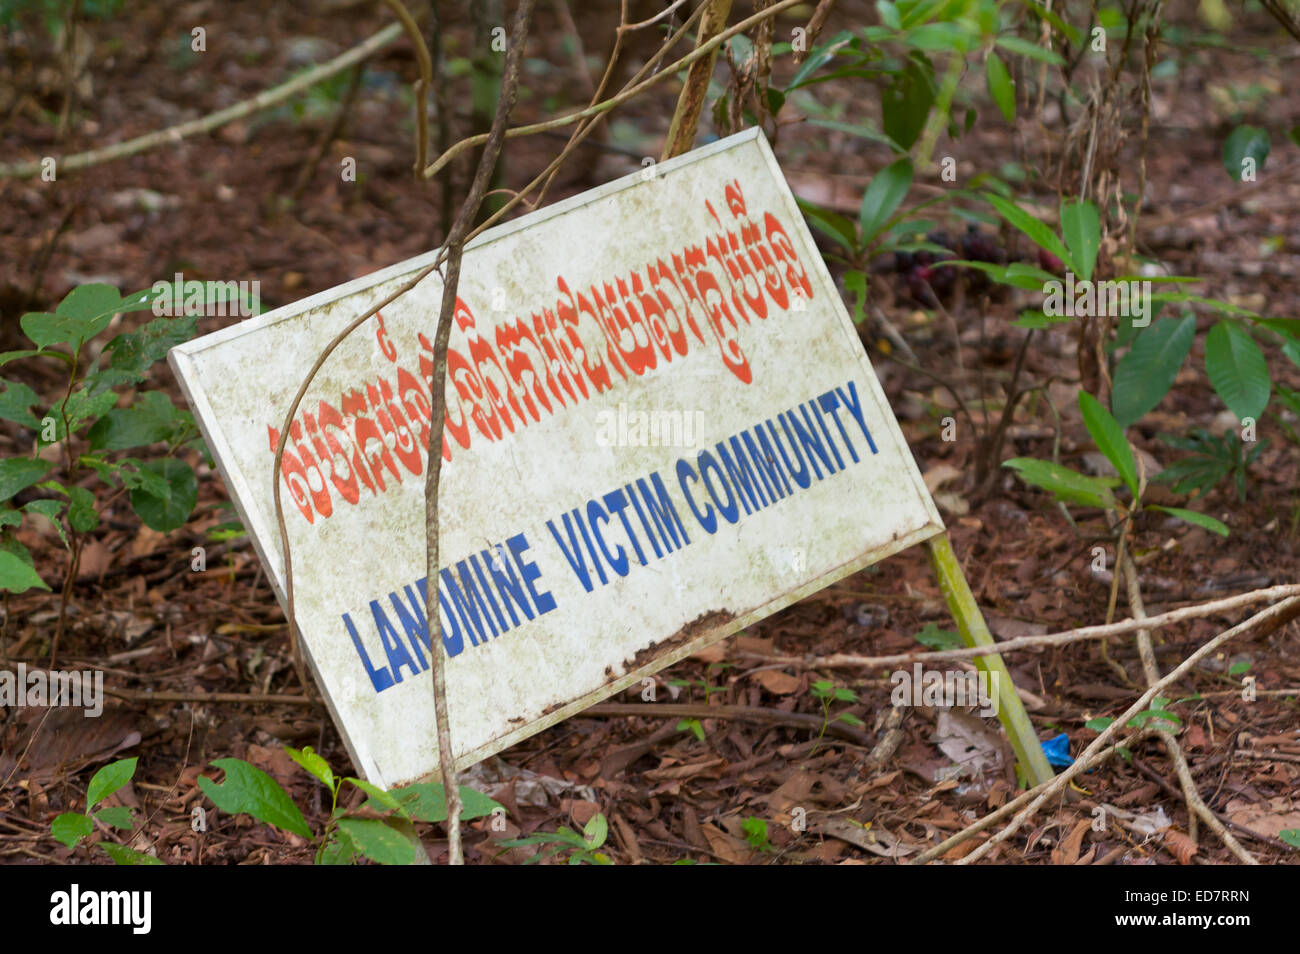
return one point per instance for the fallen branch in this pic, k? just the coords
(846, 660)
(1266, 620)
(678, 710)
(249, 698)
(174, 134)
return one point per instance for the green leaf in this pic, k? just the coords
(249, 790)
(1110, 440)
(939, 37)
(19, 473)
(82, 514)
(377, 841)
(119, 816)
(818, 57)
(123, 855)
(1082, 230)
(313, 763)
(1064, 483)
(886, 191)
(936, 638)
(426, 802)
(905, 103)
(831, 224)
(1147, 372)
(108, 780)
(152, 418)
(338, 850)
(856, 283)
(15, 401)
(168, 513)
(1237, 668)
(18, 575)
(1245, 142)
(50, 510)
(380, 800)
(1200, 519)
(84, 313)
(1099, 724)
(1037, 232)
(71, 827)
(1237, 369)
(136, 351)
(1291, 835)
(1001, 90)
(1032, 50)
(596, 830)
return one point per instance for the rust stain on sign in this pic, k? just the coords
(657, 406)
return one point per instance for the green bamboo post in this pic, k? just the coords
(975, 632)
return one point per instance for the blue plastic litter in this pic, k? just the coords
(1057, 751)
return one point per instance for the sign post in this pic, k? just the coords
(661, 428)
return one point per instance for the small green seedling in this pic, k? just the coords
(755, 830)
(827, 693)
(71, 827)
(347, 835)
(584, 846)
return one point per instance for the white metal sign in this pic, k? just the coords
(661, 428)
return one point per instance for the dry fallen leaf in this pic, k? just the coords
(778, 683)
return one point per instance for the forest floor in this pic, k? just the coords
(215, 207)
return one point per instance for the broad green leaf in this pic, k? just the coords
(1245, 142)
(1237, 369)
(152, 418)
(1082, 230)
(832, 224)
(426, 801)
(339, 850)
(119, 816)
(83, 313)
(377, 841)
(1147, 372)
(380, 800)
(1066, 484)
(596, 830)
(71, 827)
(1035, 318)
(108, 780)
(1037, 232)
(249, 790)
(1291, 348)
(123, 855)
(82, 514)
(1110, 440)
(313, 763)
(1099, 724)
(19, 473)
(1016, 45)
(905, 103)
(135, 352)
(939, 37)
(1200, 519)
(168, 513)
(15, 402)
(1291, 835)
(886, 191)
(856, 283)
(8, 356)
(18, 575)
(1001, 90)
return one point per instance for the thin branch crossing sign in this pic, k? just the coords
(661, 427)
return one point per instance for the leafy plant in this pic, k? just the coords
(71, 827)
(755, 830)
(1212, 460)
(704, 685)
(584, 847)
(346, 835)
(83, 433)
(827, 694)
(1159, 711)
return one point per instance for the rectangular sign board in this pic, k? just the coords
(661, 427)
